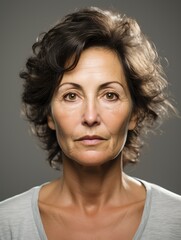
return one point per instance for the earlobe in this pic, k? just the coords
(133, 122)
(51, 123)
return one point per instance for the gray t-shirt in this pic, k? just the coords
(161, 220)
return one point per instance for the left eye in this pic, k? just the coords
(70, 96)
(111, 96)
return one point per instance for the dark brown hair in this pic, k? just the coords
(69, 38)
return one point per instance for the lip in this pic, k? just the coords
(91, 139)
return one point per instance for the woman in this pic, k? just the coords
(93, 87)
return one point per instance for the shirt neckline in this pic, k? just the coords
(146, 210)
(36, 213)
(138, 234)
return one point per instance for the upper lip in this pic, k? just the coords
(90, 137)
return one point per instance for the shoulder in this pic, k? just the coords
(163, 197)
(16, 214)
(163, 200)
(163, 212)
(16, 203)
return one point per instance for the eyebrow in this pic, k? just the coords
(102, 86)
(70, 83)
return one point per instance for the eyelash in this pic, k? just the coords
(114, 95)
(109, 96)
(67, 96)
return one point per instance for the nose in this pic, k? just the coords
(91, 115)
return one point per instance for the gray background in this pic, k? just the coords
(23, 163)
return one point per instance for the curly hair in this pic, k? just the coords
(74, 33)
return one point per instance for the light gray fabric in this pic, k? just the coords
(20, 217)
(161, 218)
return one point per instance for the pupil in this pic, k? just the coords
(72, 95)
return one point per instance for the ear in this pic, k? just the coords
(51, 123)
(133, 122)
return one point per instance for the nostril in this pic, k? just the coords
(91, 119)
(90, 122)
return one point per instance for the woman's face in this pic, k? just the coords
(92, 109)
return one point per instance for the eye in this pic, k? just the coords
(111, 96)
(70, 96)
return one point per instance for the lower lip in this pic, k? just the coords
(91, 142)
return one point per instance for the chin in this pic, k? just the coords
(92, 159)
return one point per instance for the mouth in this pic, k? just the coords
(91, 139)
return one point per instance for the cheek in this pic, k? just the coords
(63, 132)
(118, 124)
(117, 121)
(65, 124)
(62, 124)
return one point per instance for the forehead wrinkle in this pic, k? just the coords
(92, 58)
(91, 65)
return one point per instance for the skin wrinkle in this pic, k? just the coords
(93, 104)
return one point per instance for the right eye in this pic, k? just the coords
(70, 97)
(111, 96)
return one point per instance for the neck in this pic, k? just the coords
(93, 187)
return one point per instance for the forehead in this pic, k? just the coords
(96, 63)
